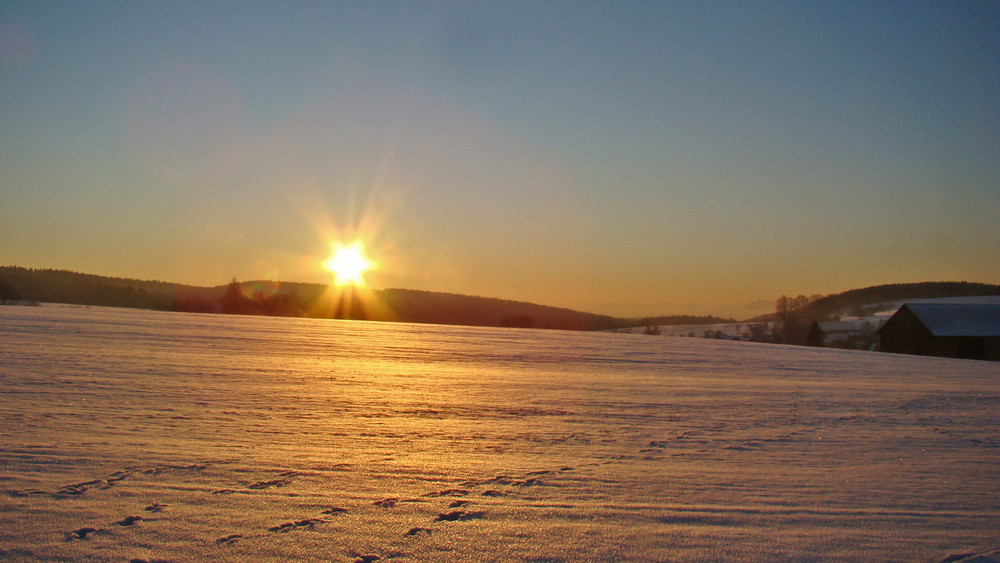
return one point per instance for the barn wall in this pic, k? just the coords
(905, 334)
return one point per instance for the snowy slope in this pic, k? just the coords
(158, 436)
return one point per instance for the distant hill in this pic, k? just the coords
(292, 299)
(447, 308)
(888, 293)
(61, 286)
(407, 305)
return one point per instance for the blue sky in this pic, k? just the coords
(651, 157)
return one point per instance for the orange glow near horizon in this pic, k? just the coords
(348, 263)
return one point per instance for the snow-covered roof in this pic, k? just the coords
(958, 319)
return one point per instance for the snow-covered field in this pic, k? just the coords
(134, 435)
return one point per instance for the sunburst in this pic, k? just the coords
(348, 262)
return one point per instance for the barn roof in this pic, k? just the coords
(958, 319)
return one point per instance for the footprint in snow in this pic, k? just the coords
(458, 515)
(81, 534)
(228, 540)
(129, 520)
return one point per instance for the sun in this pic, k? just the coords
(349, 263)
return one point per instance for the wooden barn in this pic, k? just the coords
(954, 330)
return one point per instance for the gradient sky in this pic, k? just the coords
(625, 157)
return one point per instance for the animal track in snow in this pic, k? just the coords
(224, 491)
(103, 483)
(391, 502)
(78, 489)
(259, 485)
(25, 492)
(168, 468)
(749, 444)
(287, 526)
(284, 478)
(447, 493)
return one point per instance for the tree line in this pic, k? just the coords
(794, 321)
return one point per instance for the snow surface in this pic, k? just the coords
(135, 435)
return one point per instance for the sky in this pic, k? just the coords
(620, 157)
